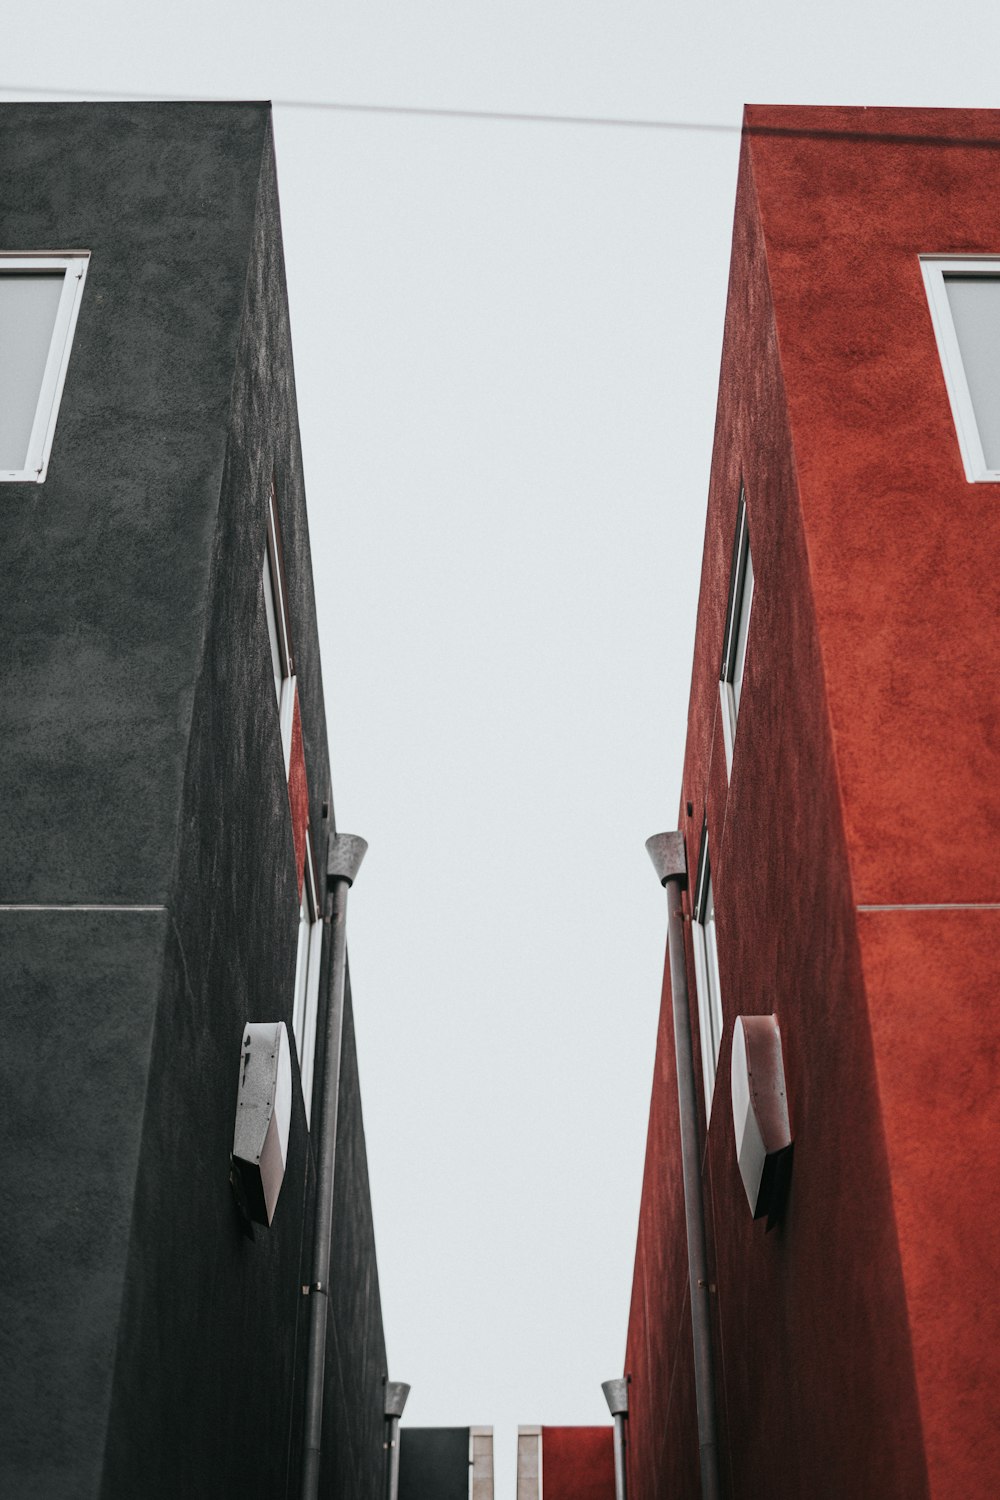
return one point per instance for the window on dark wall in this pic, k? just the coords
(963, 293)
(307, 965)
(706, 968)
(279, 629)
(737, 632)
(305, 991)
(40, 298)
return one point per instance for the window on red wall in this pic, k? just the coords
(706, 969)
(963, 293)
(737, 633)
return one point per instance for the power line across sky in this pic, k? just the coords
(344, 107)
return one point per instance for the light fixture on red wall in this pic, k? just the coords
(760, 1115)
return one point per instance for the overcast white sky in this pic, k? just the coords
(507, 342)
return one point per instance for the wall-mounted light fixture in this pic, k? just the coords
(616, 1395)
(263, 1115)
(760, 1115)
(396, 1393)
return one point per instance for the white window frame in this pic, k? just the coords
(305, 1001)
(934, 269)
(279, 629)
(706, 971)
(74, 265)
(737, 633)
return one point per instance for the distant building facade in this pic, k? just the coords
(840, 810)
(446, 1463)
(565, 1463)
(163, 877)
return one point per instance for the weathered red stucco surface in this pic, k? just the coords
(578, 1463)
(934, 978)
(858, 1346)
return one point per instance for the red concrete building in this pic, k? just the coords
(565, 1463)
(840, 811)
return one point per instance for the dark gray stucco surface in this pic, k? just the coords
(353, 1460)
(209, 1381)
(434, 1463)
(142, 761)
(104, 567)
(79, 993)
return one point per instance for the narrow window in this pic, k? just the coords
(39, 303)
(964, 297)
(706, 968)
(734, 645)
(304, 1005)
(279, 629)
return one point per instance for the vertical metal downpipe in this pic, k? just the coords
(396, 1393)
(343, 862)
(616, 1395)
(666, 850)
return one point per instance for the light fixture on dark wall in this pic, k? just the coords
(263, 1115)
(396, 1392)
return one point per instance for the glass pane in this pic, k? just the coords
(309, 1024)
(272, 628)
(714, 981)
(301, 975)
(29, 301)
(975, 311)
(742, 629)
(704, 1015)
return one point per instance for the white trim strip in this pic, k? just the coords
(30, 906)
(935, 906)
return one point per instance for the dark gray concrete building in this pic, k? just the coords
(167, 815)
(446, 1463)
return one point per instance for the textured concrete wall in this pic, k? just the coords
(146, 768)
(103, 574)
(354, 1424)
(79, 1001)
(578, 1463)
(934, 977)
(812, 1337)
(658, 1353)
(902, 555)
(856, 1344)
(104, 566)
(235, 904)
(207, 1344)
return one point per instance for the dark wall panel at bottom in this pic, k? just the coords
(79, 995)
(434, 1463)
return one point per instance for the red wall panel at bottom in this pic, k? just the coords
(578, 1463)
